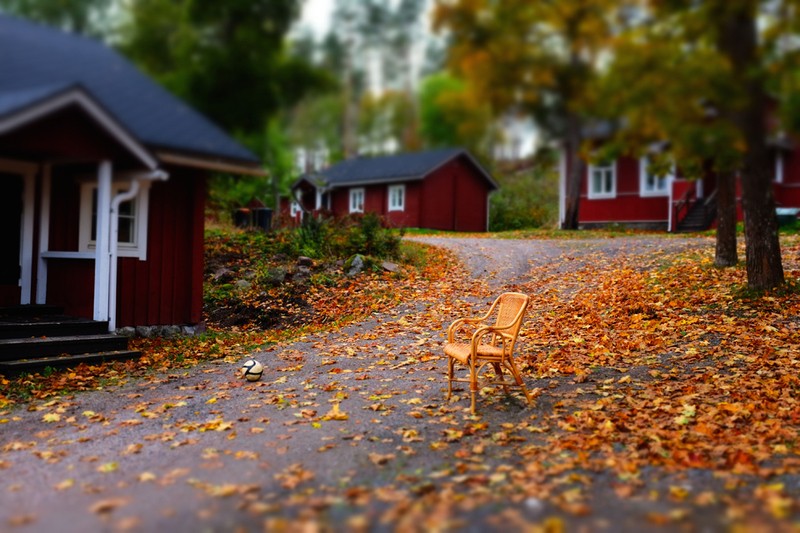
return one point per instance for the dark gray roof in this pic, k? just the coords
(394, 168)
(36, 60)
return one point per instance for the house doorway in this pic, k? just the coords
(11, 186)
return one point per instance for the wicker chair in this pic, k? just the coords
(489, 344)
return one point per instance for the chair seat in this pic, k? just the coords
(461, 351)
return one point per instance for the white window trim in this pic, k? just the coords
(606, 194)
(644, 191)
(779, 167)
(402, 205)
(138, 248)
(354, 194)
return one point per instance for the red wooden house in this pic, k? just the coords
(443, 189)
(625, 191)
(103, 176)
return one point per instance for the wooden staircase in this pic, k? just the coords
(699, 217)
(33, 337)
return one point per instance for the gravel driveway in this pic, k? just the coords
(342, 432)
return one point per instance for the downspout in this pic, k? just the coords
(128, 195)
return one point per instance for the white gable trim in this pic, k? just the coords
(79, 97)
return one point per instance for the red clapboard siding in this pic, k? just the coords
(438, 200)
(167, 288)
(454, 197)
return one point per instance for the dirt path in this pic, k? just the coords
(347, 431)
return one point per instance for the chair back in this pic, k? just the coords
(510, 310)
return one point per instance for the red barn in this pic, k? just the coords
(103, 176)
(625, 191)
(443, 189)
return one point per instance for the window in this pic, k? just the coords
(397, 197)
(295, 210)
(652, 184)
(131, 220)
(356, 200)
(603, 180)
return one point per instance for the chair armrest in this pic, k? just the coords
(451, 331)
(489, 330)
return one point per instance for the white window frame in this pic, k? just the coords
(397, 197)
(137, 248)
(645, 188)
(611, 168)
(357, 197)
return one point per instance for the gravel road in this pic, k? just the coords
(340, 433)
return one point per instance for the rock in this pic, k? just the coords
(303, 273)
(304, 261)
(277, 275)
(243, 284)
(223, 275)
(389, 266)
(354, 265)
(127, 331)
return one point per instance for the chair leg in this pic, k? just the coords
(518, 378)
(498, 369)
(473, 385)
(450, 363)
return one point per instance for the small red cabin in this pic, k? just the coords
(625, 191)
(437, 189)
(103, 180)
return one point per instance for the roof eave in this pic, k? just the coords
(211, 163)
(379, 181)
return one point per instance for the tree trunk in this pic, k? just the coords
(738, 41)
(726, 254)
(574, 174)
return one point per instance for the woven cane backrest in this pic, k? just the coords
(509, 312)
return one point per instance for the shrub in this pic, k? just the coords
(527, 199)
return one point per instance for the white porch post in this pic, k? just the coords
(26, 243)
(318, 202)
(44, 235)
(102, 263)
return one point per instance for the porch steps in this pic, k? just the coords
(699, 218)
(63, 361)
(35, 337)
(50, 327)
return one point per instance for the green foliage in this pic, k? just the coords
(526, 199)
(339, 238)
(226, 58)
(369, 236)
(450, 114)
(88, 17)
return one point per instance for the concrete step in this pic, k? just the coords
(25, 365)
(13, 349)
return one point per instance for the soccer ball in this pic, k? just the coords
(252, 370)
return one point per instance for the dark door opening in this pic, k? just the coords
(10, 231)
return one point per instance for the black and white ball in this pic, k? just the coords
(252, 370)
